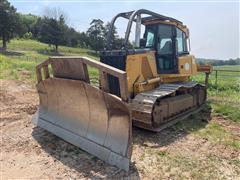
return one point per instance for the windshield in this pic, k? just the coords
(165, 39)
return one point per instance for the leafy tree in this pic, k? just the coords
(53, 31)
(10, 24)
(29, 21)
(96, 34)
(116, 41)
(71, 37)
(83, 40)
(114, 36)
(216, 62)
(37, 28)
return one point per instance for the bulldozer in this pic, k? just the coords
(148, 86)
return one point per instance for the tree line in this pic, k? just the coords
(52, 29)
(215, 62)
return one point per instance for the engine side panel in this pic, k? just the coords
(140, 67)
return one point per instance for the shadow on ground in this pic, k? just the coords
(11, 53)
(173, 133)
(91, 167)
(49, 52)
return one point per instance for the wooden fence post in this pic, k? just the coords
(206, 79)
(216, 74)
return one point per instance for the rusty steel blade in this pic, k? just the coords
(87, 117)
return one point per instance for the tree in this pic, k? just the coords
(116, 42)
(53, 31)
(217, 62)
(96, 34)
(71, 37)
(37, 28)
(29, 21)
(83, 40)
(114, 36)
(10, 24)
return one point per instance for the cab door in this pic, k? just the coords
(166, 57)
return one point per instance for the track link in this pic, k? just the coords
(167, 104)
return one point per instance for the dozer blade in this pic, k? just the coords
(87, 117)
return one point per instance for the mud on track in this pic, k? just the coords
(33, 153)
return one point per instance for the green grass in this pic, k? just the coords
(227, 110)
(32, 50)
(214, 132)
(15, 69)
(32, 45)
(224, 95)
(217, 134)
(23, 55)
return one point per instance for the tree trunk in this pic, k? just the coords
(4, 44)
(56, 48)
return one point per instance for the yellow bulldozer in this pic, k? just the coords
(147, 86)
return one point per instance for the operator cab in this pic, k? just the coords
(162, 50)
(169, 42)
(167, 36)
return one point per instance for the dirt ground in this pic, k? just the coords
(29, 152)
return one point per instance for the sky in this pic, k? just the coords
(214, 25)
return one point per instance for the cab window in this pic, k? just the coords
(165, 59)
(181, 42)
(150, 39)
(165, 40)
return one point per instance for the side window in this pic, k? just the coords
(179, 41)
(150, 39)
(185, 43)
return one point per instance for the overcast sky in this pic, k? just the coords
(214, 25)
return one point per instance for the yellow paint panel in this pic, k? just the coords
(170, 78)
(187, 65)
(140, 67)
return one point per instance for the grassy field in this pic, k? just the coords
(23, 55)
(219, 136)
(224, 94)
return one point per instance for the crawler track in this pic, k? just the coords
(167, 104)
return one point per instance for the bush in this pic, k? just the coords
(27, 35)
